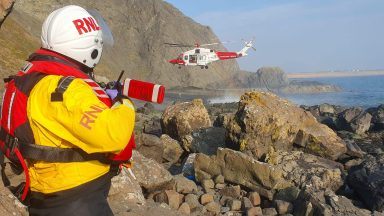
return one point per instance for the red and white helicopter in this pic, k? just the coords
(200, 56)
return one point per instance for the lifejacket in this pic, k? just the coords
(16, 137)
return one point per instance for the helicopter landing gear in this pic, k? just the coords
(206, 66)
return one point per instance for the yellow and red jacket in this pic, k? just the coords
(83, 119)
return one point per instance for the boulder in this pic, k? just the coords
(361, 123)
(153, 127)
(184, 185)
(367, 180)
(264, 120)
(181, 119)
(151, 175)
(5, 8)
(172, 149)
(205, 140)
(283, 207)
(354, 120)
(150, 146)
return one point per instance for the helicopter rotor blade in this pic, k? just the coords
(178, 45)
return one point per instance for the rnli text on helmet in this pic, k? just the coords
(90, 25)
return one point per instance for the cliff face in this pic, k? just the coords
(140, 28)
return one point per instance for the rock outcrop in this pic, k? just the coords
(181, 119)
(354, 120)
(267, 77)
(264, 120)
(205, 141)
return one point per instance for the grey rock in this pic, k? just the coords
(151, 175)
(205, 141)
(289, 194)
(231, 191)
(150, 146)
(172, 149)
(184, 185)
(246, 204)
(367, 180)
(153, 127)
(192, 200)
(234, 204)
(326, 109)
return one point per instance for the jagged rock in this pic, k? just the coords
(289, 194)
(125, 187)
(153, 127)
(150, 146)
(184, 185)
(205, 140)
(378, 118)
(151, 175)
(188, 167)
(353, 149)
(5, 8)
(304, 169)
(181, 119)
(361, 123)
(264, 120)
(354, 120)
(367, 180)
(315, 202)
(172, 149)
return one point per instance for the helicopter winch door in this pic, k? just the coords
(202, 60)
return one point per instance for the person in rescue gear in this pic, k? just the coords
(74, 136)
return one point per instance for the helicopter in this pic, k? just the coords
(201, 56)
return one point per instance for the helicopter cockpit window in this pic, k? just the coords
(192, 58)
(197, 51)
(211, 50)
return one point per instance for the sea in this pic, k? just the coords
(363, 91)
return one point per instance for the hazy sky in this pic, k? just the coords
(297, 35)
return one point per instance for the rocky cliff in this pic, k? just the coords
(140, 30)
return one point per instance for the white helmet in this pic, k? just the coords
(72, 31)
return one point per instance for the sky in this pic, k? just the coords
(297, 35)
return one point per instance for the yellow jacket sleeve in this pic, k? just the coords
(83, 120)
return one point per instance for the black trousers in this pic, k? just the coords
(85, 200)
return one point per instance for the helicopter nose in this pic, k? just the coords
(173, 61)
